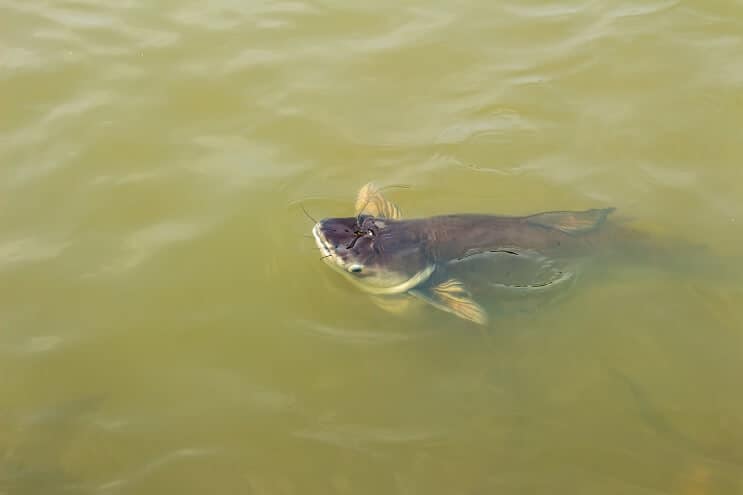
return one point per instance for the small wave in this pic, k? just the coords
(365, 438)
(500, 123)
(420, 25)
(29, 250)
(156, 464)
(354, 336)
(146, 243)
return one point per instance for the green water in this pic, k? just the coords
(166, 326)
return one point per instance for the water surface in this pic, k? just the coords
(167, 328)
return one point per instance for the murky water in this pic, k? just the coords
(165, 326)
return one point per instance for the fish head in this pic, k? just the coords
(379, 255)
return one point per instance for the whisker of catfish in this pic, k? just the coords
(395, 186)
(307, 214)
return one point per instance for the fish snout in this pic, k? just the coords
(336, 232)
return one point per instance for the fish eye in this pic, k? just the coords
(355, 268)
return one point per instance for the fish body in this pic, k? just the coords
(384, 254)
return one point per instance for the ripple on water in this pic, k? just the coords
(355, 335)
(368, 438)
(644, 8)
(24, 250)
(420, 25)
(501, 123)
(77, 106)
(154, 465)
(209, 16)
(27, 346)
(556, 9)
(18, 58)
(143, 244)
(565, 9)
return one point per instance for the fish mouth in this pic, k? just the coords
(322, 243)
(327, 250)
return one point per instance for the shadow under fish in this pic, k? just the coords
(430, 258)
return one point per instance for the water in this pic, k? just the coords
(166, 328)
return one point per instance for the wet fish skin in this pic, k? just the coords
(387, 255)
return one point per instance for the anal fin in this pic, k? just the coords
(451, 296)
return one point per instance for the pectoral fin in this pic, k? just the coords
(451, 296)
(571, 222)
(370, 201)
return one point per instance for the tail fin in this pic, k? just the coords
(571, 222)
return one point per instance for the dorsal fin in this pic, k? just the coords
(370, 201)
(571, 222)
